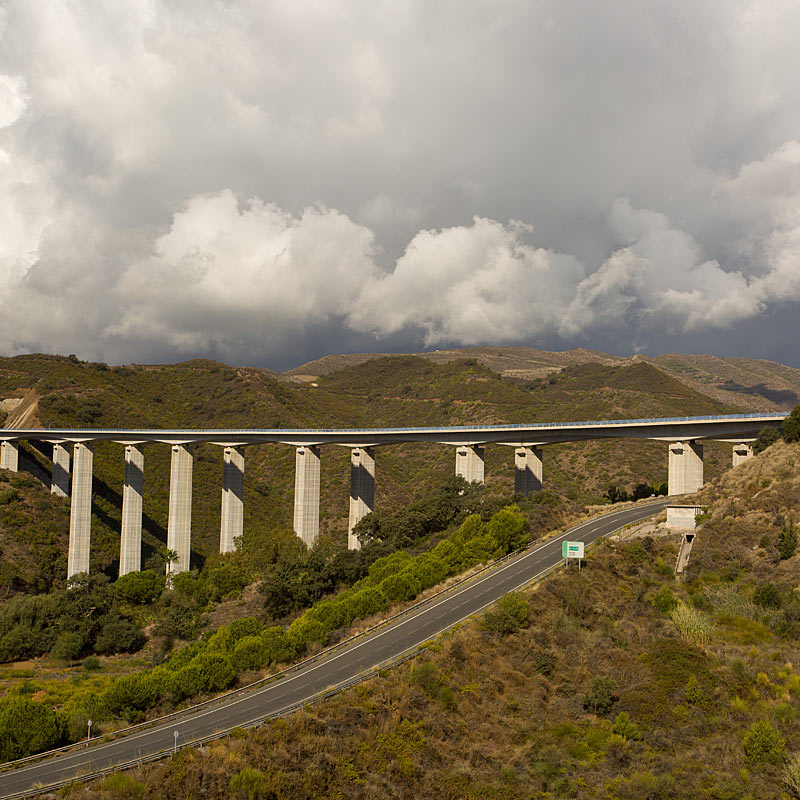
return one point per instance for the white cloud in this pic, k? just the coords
(131, 133)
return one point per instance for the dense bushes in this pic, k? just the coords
(67, 622)
(26, 727)
(303, 578)
(400, 576)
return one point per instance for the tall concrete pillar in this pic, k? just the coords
(362, 490)
(80, 515)
(469, 463)
(685, 467)
(9, 456)
(59, 482)
(179, 524)
(741, 452)
(527, 470)
(130, 548)
(231, 525)
(306, 494)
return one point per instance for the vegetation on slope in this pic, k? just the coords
(616, 682)
(398, 390)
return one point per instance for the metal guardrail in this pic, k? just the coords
(322, 695)
(275, 677)
(461, 428)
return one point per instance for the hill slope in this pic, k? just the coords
(436, 389)
(616, 682)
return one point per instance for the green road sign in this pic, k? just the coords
(571, 549)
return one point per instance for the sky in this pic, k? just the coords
(266, 182)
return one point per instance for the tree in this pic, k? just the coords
(767, 436)
(139, 588)
(170, 557)
(762, 743)
(791, 426)
(26, 727)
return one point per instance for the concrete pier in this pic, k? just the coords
(130, 549)
(685, 467)
(231, 525)
(306, 494)
(59, 482)
(9, 456)
(527, 470)
(741, 452)
(179, 525)
(80, 515)
(362, 490)
(469, 463)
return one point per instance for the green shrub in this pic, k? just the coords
(139, 588)
(762, 743)
(694, 692)
(68, 646)
(767, 595)
(791, 426)
(26, 727)
(692, 624)
(510, 613)
(119, 635)
(664, 600)
(248, 784)
(787, 541)
(509, 528)
(601, 695)
(625, 728)
(250, 653)
(767, 436)
(122, 785)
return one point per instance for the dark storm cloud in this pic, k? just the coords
(265, 182)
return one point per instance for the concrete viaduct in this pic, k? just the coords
(72, 475)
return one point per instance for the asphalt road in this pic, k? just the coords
(364, 654)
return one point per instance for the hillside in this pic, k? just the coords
(392, 390)
(754, 385)
(616, 682)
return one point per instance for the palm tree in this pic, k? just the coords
(171, 557)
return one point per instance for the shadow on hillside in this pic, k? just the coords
(779, 396)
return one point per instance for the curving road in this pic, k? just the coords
(387, 643)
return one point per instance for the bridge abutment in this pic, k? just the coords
(179, 525)
(362, 490)
(527, 470)
(741, 453)
(232, 514)
(80, 513)
(130, 547)
(306, 494)
(59, 482)
(685, 467)
(470, 463)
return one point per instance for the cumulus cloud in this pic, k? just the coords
(267, 181)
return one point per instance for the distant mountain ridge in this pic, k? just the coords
(750, 384)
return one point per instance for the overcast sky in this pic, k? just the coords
(266, 182)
